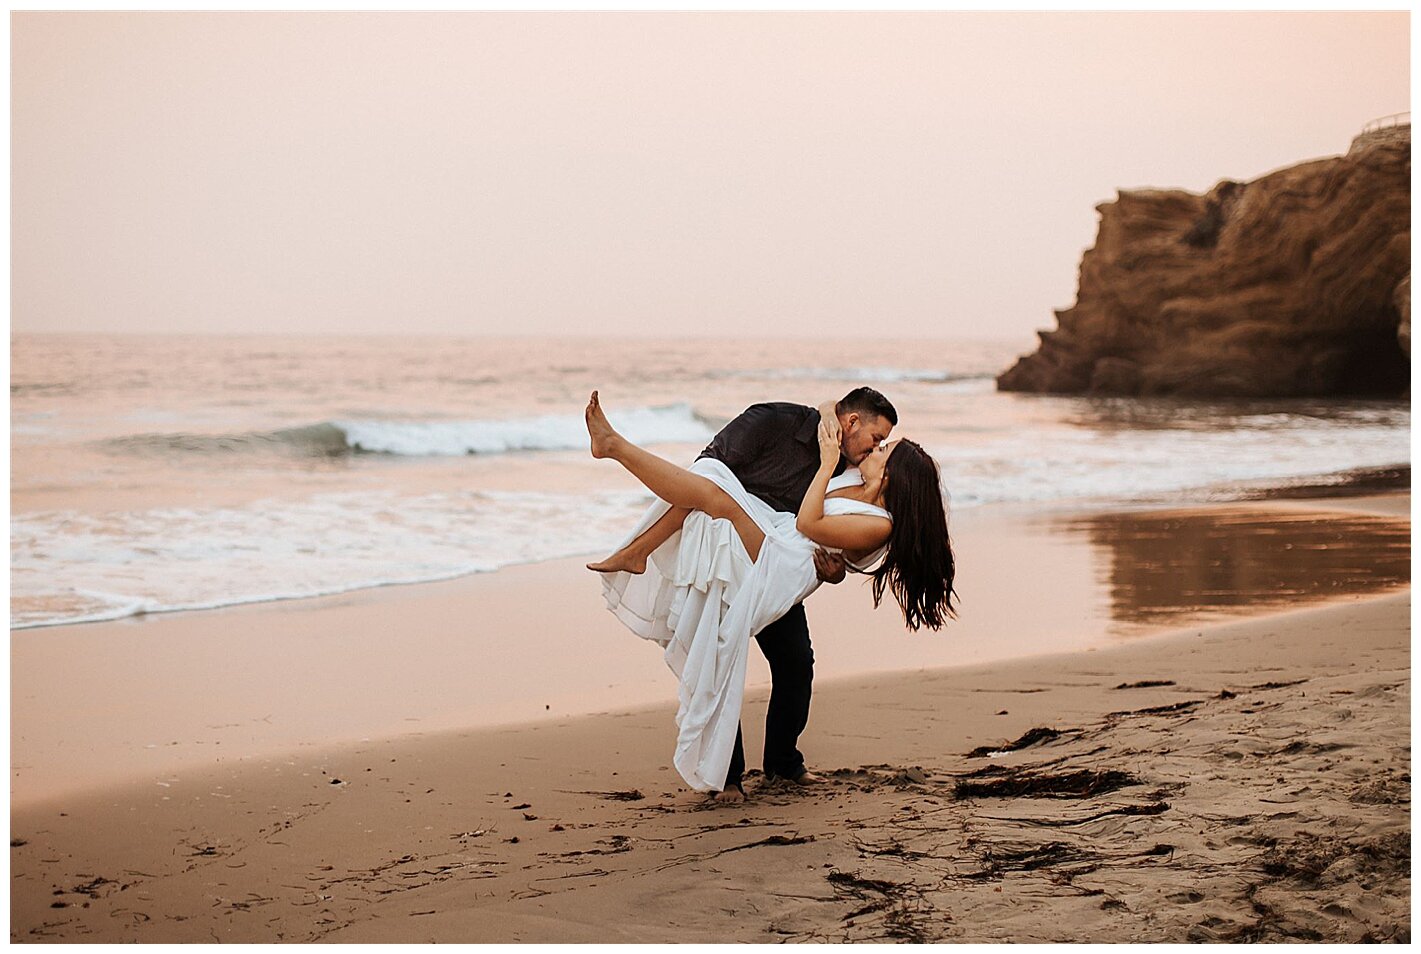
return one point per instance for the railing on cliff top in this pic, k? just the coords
(1386, 122)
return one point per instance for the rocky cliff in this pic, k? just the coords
(1294, 284)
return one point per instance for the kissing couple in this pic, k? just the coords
(784, 497)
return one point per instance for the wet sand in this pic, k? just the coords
(1256, 788)
(1170, 566)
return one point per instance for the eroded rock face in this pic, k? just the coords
(1289, 285)
(1402, 299)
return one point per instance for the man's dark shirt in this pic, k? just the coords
(774, 450)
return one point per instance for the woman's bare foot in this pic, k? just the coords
(599, 429)
(623, 561)
(733, 794)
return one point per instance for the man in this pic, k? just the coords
(774, 451)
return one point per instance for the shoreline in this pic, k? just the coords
(264, 680)
(1372, 483)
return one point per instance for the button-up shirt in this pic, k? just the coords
(774, 450)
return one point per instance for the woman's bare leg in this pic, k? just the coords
(675, 485)
(632, 557)
(684, 490)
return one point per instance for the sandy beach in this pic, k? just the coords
(307, 311)
(1232, 779)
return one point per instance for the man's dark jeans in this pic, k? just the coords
(785, 643)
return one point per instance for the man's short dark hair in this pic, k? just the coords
(869, 403)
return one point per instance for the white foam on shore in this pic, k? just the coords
(74, 567)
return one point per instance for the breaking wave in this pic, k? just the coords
(669, 424)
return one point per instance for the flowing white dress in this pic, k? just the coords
(702, 599)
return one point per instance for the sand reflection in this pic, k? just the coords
(1165, 568)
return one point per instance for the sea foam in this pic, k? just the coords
(71, 566)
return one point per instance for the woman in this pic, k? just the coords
(737, 565)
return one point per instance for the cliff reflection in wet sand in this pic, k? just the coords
(1164, 568)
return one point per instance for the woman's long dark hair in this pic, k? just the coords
(918, 567)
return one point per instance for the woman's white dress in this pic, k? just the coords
(702, 599)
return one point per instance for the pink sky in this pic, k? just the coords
(839, 174)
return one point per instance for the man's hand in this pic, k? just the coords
(829, 566)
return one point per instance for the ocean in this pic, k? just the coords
(163, 473)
